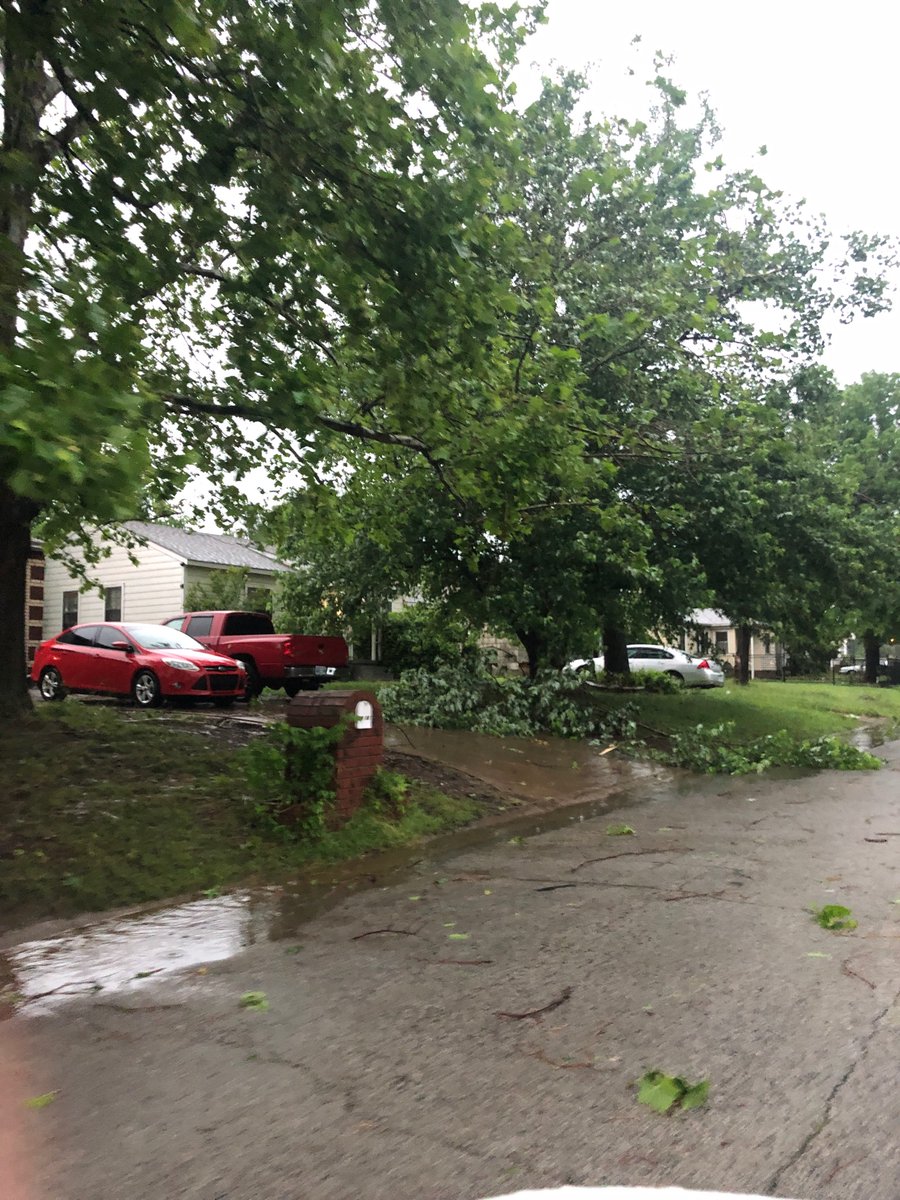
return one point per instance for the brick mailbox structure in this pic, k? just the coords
(359, 753)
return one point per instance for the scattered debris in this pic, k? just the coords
(633, 854)
(537, 1012)
(459, 962)
(834, 917)
(662, 1092)
(388, 929)
(846, 969)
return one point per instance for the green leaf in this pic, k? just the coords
(661, 1092)
(658, 1091)
(41, 1101)
(457, 937)
(618, 830)
(695, 1094)
(834, 917)
(255, 1000)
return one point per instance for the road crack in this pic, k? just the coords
(858, 1058)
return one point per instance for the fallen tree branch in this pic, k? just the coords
(537, 1012)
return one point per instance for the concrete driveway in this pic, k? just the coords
(475, 1024)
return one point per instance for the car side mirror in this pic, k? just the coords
(125, 647)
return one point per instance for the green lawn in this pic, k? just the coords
(102, 806)
(805, 710)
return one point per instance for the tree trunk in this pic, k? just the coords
(16, 516)
(615, 650)
(744, 635)
(534, 648)
(872, 643)
(27, 89)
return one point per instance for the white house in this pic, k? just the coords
(169, 561)
(711, 632)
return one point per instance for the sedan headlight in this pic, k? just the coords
(181, 664)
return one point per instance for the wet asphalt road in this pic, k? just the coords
(393, 1064)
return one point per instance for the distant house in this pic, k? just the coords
(711, 632)
(169, 561)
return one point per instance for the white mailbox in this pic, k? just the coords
(364, 715)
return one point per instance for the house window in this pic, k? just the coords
(112, 600)
(721, 641)
(70, 609)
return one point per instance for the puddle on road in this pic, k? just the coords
(559, 782)
(134, 952)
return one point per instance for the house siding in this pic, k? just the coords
(151, 591)
(193, 573)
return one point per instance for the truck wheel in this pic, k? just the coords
(292, 687)
(253, 686)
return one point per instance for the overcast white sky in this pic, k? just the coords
(817, 84)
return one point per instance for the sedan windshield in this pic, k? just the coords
(158, 637)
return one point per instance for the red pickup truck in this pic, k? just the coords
(293, 661)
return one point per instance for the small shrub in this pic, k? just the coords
(388, 794)
(290, 775)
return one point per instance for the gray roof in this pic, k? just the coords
(709, 618)
(208, 549)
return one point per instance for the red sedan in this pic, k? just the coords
(146, 662)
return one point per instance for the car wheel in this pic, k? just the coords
(224, 701)
(145, 690)
(676, 675)
(51, 684)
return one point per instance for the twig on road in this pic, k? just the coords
(387, 929)
(633, 854)
(846, 969)
(459, 962)
(537, 1012)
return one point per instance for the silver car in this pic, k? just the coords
(692, 670)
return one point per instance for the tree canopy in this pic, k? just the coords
(214, 212)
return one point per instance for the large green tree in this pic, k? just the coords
(866, 422)
(229, 227)
(658, 298)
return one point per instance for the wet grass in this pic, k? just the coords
(102, 807)
(805, 710)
